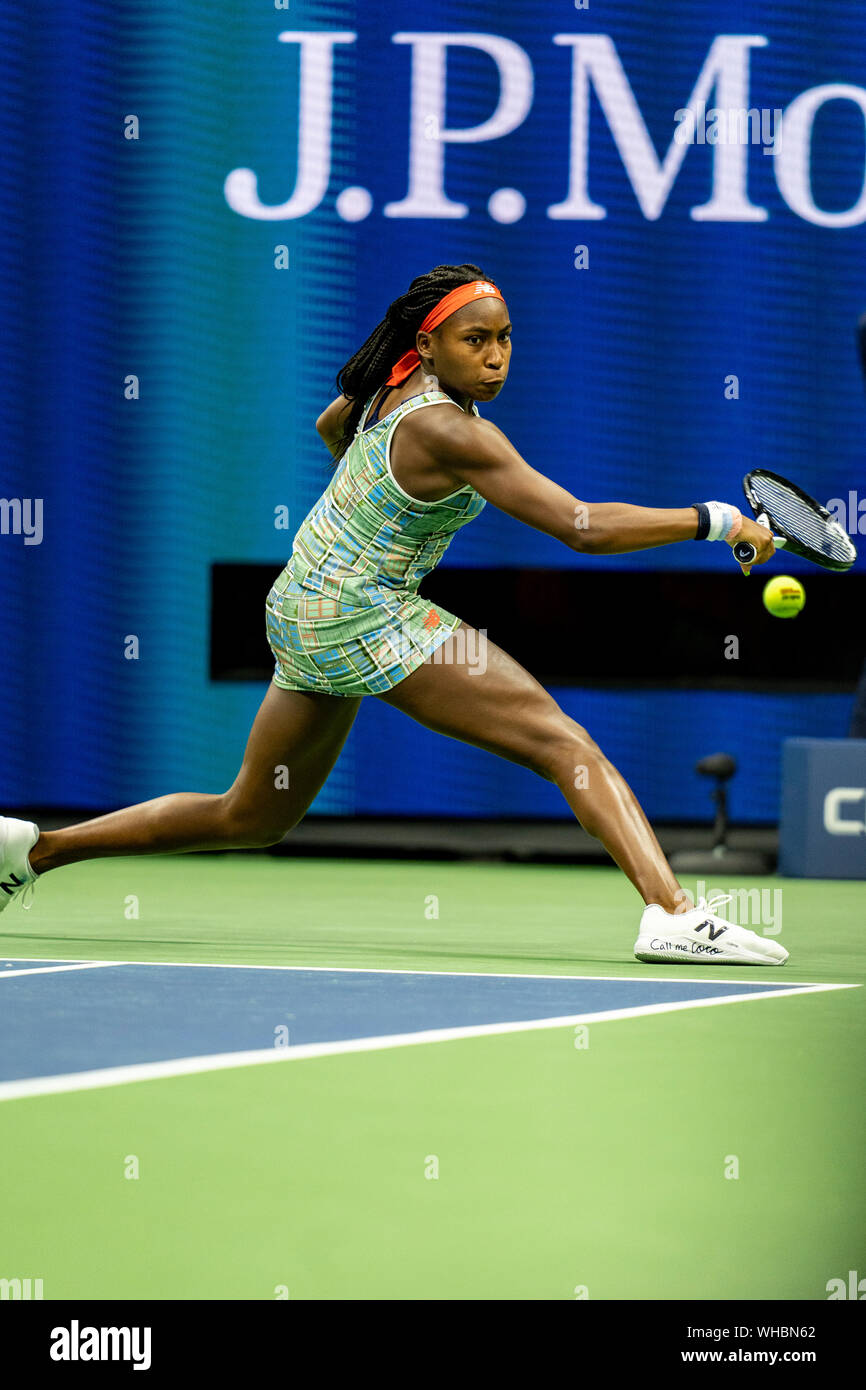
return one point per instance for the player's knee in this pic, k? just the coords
(254, 834)
(262, 836)
(248, 827)
(568, 750)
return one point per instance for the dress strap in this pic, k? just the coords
(365, 412)
(424, 397)
(398, 409)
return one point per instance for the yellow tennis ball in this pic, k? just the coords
(784, 596)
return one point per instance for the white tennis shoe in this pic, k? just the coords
(701, 936)
(17, 838)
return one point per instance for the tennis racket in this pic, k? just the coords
(797, 522)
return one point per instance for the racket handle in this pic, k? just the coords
(744, 551)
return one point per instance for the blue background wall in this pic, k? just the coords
(124, 256)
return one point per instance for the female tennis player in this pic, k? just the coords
(416, 461)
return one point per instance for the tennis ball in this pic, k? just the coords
(784, 596)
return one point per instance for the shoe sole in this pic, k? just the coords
(647, 955)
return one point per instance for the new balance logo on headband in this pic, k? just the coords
(482, 287)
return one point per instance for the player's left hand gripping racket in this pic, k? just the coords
(797, 522)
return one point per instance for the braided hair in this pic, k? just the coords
(372, 363)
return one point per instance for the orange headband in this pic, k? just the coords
(454, 300)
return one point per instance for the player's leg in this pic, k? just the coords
(496, 704)
(293, 744)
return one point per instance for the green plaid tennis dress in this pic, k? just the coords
(345, 617)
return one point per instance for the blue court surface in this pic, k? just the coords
(62, 1018)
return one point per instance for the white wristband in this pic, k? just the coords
(723, 519)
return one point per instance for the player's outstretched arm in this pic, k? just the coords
(477, 452)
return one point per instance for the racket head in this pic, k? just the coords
(807, 527)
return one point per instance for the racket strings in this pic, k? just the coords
(797, 519)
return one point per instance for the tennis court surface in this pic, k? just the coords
(244, 1076)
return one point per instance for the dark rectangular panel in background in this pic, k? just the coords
(613, 627)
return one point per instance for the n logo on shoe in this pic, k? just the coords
(712, 931)
(15, 881)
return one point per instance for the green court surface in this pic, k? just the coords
(564, 1171)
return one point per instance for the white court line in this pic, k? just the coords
(53, 969)
(221, 1061)
(460, 974)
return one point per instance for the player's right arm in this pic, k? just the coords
(476, 451)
